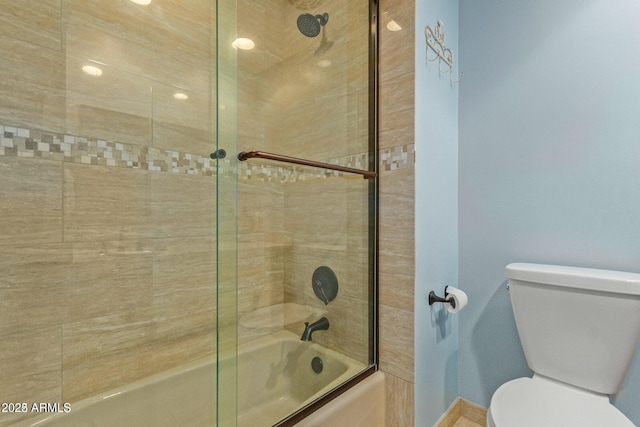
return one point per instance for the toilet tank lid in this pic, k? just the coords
(576, 277)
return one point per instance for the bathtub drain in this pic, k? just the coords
(316, 365)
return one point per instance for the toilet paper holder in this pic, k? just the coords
(435, 298)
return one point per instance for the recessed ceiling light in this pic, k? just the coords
(180, 96)
(142, 2)
(244, 44)
(92, 70)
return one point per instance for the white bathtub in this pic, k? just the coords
(274, 379)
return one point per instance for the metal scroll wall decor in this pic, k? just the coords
(443, 54)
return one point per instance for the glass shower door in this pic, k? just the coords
(107, 205)
(296, 206)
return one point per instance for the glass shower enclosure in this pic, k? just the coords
(300, 305)
(188, 205)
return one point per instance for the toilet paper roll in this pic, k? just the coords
(458, 297)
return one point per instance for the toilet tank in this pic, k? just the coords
(577, 325)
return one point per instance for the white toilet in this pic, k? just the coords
(579, 330)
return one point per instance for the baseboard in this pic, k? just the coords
(461, 408)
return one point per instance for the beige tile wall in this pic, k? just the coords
(107, 197)
(262, 240)
(108, 240)
(33, 86)
(325, 117)
(324, 110)
(328, 221)
(307, 92)
(396, 256)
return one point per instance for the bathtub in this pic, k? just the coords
(275, 377)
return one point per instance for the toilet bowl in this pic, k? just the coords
(579, 330)
(540, 402)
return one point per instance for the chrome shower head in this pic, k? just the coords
(310, 25)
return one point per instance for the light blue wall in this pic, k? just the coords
(549, 139)
(436, 127)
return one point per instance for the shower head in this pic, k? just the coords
(310, 25)
(325, 44)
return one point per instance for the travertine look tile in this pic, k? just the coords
(179, 138)
(37, 23)
(328, 221)
(32, 85)
(31, 209)
(396, 107)
(182, 107)
(256, 109)
(93, 278)
(396, 342)
(465, 422)
(396, 213)
(261, 22)
(397, 75)
(336, 94)
(111, 124)
(262, 245)
(59, 283)
(108, 276)
(261, 208)
(397, 48)
(398, 92)
(32, 286)
(463, 413)
(30, 369)
(317, 211)
(349, 327)
(260, 276)
(106, 203)
(183, 205)
(110, 351)
(453, 414)
(183, 124)
(167, 41)
(474, 413)
(115, 106)
(396, 263)
(400, 402)
(396, 274)
(397, 204)
(184, 269)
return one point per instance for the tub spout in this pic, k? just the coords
(309, 328)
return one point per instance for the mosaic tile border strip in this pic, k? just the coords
(30, 143)
(395, 158)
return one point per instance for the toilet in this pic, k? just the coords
(579, 329)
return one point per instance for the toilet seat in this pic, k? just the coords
(541, 402)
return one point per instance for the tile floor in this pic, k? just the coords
(465, 422)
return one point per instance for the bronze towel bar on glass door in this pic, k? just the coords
(246, 155)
